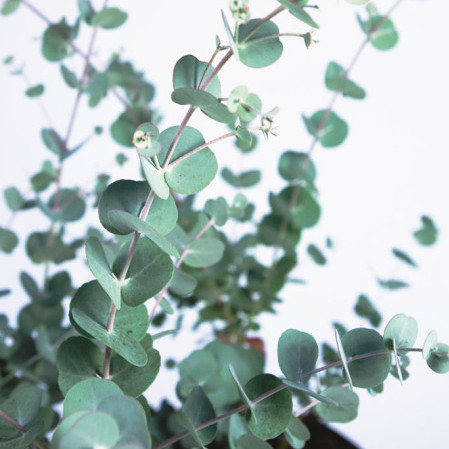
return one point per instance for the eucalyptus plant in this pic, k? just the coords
(81, 382)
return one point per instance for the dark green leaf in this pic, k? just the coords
(297, 354)
(69, 77)
(271, 415)
(54, 142)
(35, 91)
(198, 409)
(151, 269)
(404, 257)
(392, 284)
(366, 309)
(99, 265)
(8, 240)
(370, 371)
(315, 253)
(428, 233)
(190, 72)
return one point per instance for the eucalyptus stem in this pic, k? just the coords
(36, 443)
(275, 390)
(177, 265)
(201, 147)
(266, 19)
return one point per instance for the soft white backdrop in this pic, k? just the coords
(373, 189)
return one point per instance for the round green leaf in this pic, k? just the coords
(271, 416)
(370, 371)
(345, 411)
(195, 172)
(403, 330)
(125, 195)
(296, 166)
(204, 252)
(67, 206)
(151, 269)
(129, 196)
(109, 18)
(268, 232)
(9, 6)
(428, 233)
(438, 359)
(261, 47)
(384, 37)
(91, 430)
(130, 417)
(304, 211)
(57, 39)
(13, 198)
(297, 353)
(91, 299)
(122, 130)
(189, 72)
(78, 359)
(89, 310)
(182, 284)
(329, 128)
(8, 240)
(86, 395)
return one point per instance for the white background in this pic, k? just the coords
(373, 189)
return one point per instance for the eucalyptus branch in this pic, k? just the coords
(85, 56)
(328, 111)
(177, 265)
(351, 65)
(273, 391)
